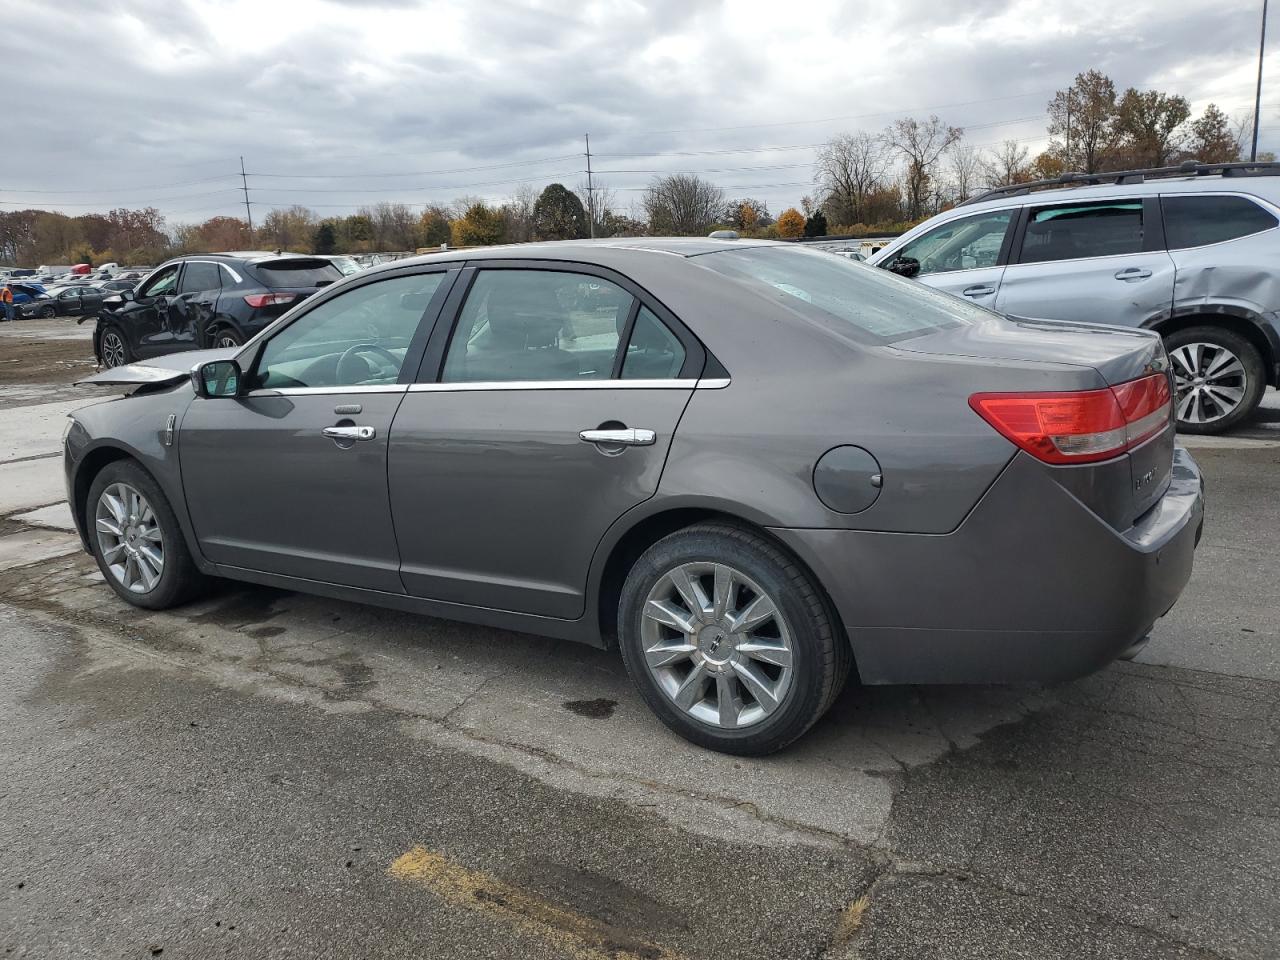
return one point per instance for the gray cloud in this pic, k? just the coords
(151, 101)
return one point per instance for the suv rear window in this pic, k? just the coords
(1196, 221)
(302, 272)
(1076, 230)
(869, 303)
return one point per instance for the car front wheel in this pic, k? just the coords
(136, 539)
(1219, 378)
(729, 641)
(115, 350)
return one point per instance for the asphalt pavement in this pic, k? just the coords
(264, 774)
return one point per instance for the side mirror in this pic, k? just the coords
(905, 266)
(218, 378)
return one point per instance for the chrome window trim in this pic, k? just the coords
(608, 384)
(322, 391)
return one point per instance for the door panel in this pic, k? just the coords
(498, 503)
(1125, 291)
(978, 286)
(1090, 261)
(267, 491)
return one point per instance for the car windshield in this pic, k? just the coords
(870, 304)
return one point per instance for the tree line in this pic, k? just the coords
(864, 182)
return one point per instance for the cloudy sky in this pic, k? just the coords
(338, 104)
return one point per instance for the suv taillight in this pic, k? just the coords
(1081, 426)
(259, 300)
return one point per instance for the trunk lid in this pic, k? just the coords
(1120, 489)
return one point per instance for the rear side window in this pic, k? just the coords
(198, 277)
(1073, 231)
(519, 325)
(1196, 221)
(302, 272)
(654, 352)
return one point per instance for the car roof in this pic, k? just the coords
(1266, 187)
(247, 256)
(605, 252)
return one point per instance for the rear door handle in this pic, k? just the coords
(979, 290)
(1133, 273)
(625, 437)
(349, 433)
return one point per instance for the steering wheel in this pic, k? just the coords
(344, 361)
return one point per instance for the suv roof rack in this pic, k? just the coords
(1185, 169)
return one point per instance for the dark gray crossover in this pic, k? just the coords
(749, 466)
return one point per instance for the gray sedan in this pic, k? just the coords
(748, 466)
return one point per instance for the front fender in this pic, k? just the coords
(135, 427)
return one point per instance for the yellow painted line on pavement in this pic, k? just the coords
(578, 936)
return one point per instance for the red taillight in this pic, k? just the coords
(259, 300)
(1081, 426)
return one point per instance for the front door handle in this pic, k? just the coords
(625, 437)
(1133, 273)
(349, 433)
(979, 290)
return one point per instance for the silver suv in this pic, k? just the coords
(1190, 251)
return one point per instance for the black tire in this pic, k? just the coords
(179, 580)
(1255, 376)
(227, 337)
(46, 313)
(109, 358)
(821, 657)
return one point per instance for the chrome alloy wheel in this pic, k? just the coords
(1210, 382)
(717, 644)
(226, 340)
(129, 538)
(112, 349)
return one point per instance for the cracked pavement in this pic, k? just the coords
(248, 776)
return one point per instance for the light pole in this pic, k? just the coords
(1257, 97)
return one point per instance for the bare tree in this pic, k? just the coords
(598, 202)
(518, 212)
(682, 204)
(849, 168)
(965, 167)
(921, 144)
(1006, 164)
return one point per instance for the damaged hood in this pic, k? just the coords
(167, 369)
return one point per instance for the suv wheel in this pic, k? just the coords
(1219, 378)
(115, 349)
(729, 642)
(226, 337)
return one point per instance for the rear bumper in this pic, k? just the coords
(1031, 586)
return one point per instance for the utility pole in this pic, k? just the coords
(1257, 97)
(247, 212)
(591, 194)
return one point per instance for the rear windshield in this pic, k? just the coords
(866, 302)
(302, 272)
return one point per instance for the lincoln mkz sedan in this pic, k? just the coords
(748, 466)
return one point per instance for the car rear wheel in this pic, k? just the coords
(115, 349)
(226, 337)
(1219, 378)
(729, 641)
(136, 539)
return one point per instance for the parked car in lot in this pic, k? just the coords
(71, 300)
(203, 301)
(751, 466)
(26, 297)
(1189, 252)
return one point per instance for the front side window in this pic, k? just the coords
(1074, 231)
(164, 282)
(359, 338)
(521, 325)
(199, 277)
(963, 244)
(1197, 221)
